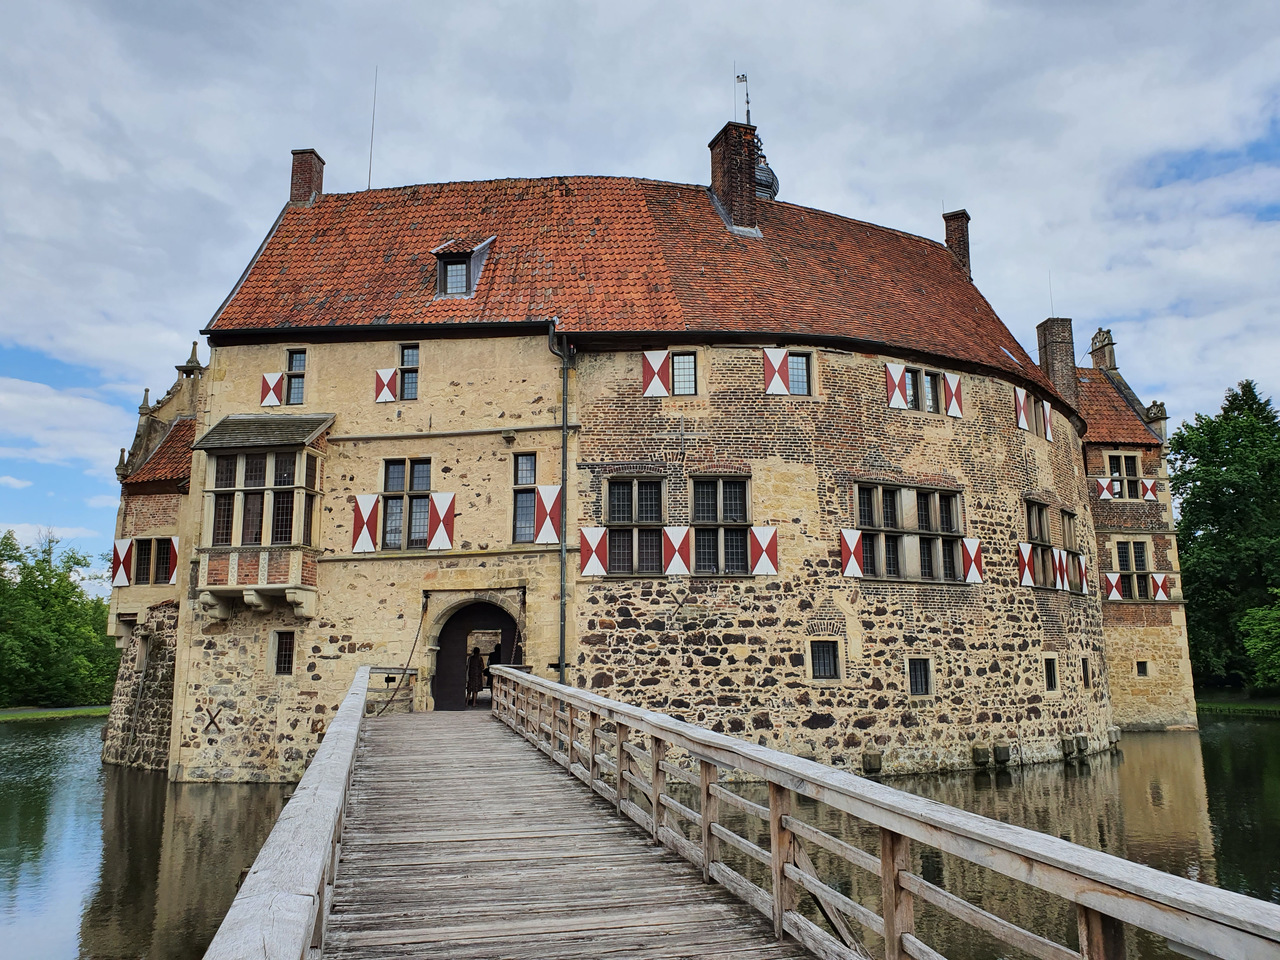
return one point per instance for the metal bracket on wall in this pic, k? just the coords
(213, 721)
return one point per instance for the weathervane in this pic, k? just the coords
(742, 78)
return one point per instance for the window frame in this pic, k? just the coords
(911, 535)
(1124, 485)
(292, 376)
(442, 274)
(406, 497)
(275, 651)
(806, 357)
(720, 525)
(837, 659)
(931, 676)
(404, 368)
(692, 357)
(528, 489)
(1135, 583)
(304, 498)
(918, 383)
(155, 575)
(1040, 536)
(1054, 691)
(1142, 669)
(630, 529)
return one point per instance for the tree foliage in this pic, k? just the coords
(54, 648)
(1260, 630)
(1225, 474)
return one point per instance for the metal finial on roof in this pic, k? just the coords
(742, 78)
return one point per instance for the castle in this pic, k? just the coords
(762, 467)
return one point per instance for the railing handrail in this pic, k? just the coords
(1184, 911)
(282, 905)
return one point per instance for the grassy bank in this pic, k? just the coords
(1238, 708)
(52, 713)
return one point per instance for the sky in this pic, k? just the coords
(1121, 163)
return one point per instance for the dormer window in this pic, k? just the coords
(455, 275)
(458, 266)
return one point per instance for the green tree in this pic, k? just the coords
(54, 648)
(1225, 474)
(1260, 630)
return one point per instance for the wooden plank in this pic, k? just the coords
(780, 854)
(680, 773)
(740, 844)
(918, 949)
(819, 942)
(999, 928)
(896, 909)
(742, 803)
(846, 851)
(820, 891)
(742, 888)
(826, 905)
(675, 806)
(707, 775)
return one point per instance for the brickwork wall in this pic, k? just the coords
(148, 514)
(731, 653)
(142, 702)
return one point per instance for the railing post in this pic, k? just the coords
(657, 783)
(896, 908)
(622, 731)
(780, 853)
(593, 745)
(572, 711)
(1101, 937)
(707, 775)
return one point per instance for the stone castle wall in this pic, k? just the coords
(138, 725)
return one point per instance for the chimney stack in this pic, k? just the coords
(1057, 347)
(957, 222)
(308, 176)
(734, 154)
(1103, 350)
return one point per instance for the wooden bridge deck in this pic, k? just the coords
(462, 841)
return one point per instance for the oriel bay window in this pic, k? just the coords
(909, 533)
(720, 523)
(406, 504)
(635, 516)
(264, 498)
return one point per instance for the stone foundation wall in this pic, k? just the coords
(1155, 634)
(138, 726)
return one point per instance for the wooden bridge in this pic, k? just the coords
(627, 833)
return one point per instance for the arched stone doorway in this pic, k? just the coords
(475, 625)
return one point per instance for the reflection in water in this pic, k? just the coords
(108, 863)
(147, 867)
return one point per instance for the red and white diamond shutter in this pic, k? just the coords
(173, 560)
(440, 522)
(1084, 573)
(122, 563)
(1060, 580)
(1104, 489)
(546, 514)
(895, 385)
(385, 385)
(1148, 489)
(952, 395)
(594, 551)
(655, 373)
(1048, 420)
(1020, 407)
(851, 553)
(364, 531)
(1160, 586)
(1026, 570)
(272, 389)
(777, 372)
(676, 551)
(762, 551)
(1113, 586)
(971, 559)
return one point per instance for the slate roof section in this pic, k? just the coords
(241, 430)
(171, 459)
(612, 255)
(1108, 411)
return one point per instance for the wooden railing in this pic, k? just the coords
(645, 762)
(282, 905)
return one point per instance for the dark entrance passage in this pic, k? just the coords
(476, 625)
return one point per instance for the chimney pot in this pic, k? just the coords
(957, 222)
(1057, 347)
(308, 176)
(735, 151)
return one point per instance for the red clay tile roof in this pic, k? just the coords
(172, 459)
(1109, 417)
(618, 255)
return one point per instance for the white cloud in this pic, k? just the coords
(103, 500)
(30, 533)
(47, 425)
(14, 483)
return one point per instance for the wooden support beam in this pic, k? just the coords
(1101, 937)
(896, 905)
(780, 854)
(708, 775)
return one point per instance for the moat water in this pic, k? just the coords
(107, 863)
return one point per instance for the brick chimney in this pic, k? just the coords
(1057, 346)
(734, 153)
(957, 222)
(308, 176)
(1103, 350)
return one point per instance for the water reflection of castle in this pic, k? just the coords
(171, 856)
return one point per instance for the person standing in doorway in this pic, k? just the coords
(475, 676)
(495, 659)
